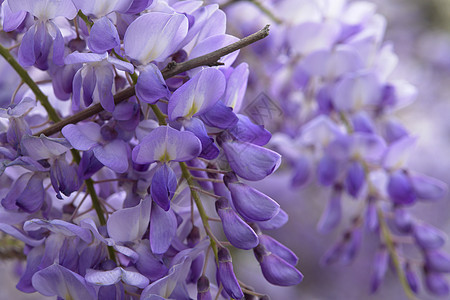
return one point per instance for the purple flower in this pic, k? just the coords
(239, 233)
(110, 151)
(56, 280)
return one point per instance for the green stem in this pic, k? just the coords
(42, 98)
(85, 19)
(393, 254)
(199, 204)
(30, 82)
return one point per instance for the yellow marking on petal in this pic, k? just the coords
(165, 157)
(68, 297)
(192, 111)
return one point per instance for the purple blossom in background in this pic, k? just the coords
(134, 174)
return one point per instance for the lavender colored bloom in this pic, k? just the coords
(154, 36)
(380, 268)
(94, 81)
(111, 277)
(40, 37)
(400, 188)
(276, 270)
(56, 280)
(150, 86)
(166, 144)
(163, 226)
(111, 152)
(250, 203)
(197, 95)
(428, 237)
(27, 193)
(226, 274)
(250, 161)
(203, 290)
(332, 214)
(236, 230)
(437, 284)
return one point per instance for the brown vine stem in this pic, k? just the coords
(171, 70)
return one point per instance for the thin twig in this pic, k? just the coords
(170, 71)
(205, 192)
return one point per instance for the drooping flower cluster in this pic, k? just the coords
(328, 70)
(113, 203)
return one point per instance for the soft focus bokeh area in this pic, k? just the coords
(420, 32)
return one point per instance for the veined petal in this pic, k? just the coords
(82, 136)
(154, 36)
(59, 226)
(197, 95)
(250, 161)
(45, 9)
(239, 233)
(250, 203)
(114, 155)
(163, 187)
(167, 144)
(163, 227)
(100, 8)
(103, 36)
(150, 86)
(56, 280)
(130, 224)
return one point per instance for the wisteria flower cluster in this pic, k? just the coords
(123, 145)
(328, 70)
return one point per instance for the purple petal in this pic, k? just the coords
(246, 131)
(105, 78)
(114, 155)
(279, 249)
(154, 36)
(163, 187)
(163, 226)
(250, 161)
(79, 58)
(276, 270)
(150, 86)
(82, 136)
(437, 284)
(103, 277)
(250, 203)
(220, 116)
(16, 233)
(236, 87)
(379, 268)
(129, 224)
(332, 214)
(12, 20)
(45, 10)
(278, 221)
(226, 275)
(428, 188)
(209, 149)
(27, 56)
(43, 147)
(355, 179)
(56, 280)
(148, 264)
(437, 261)
(58, 46)
(400, 188)
(239, 233)
(26, 193)
(197, 95)
(103, 36)
(167, 144)
(59, 226)
(327, 170)
(428, 237)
